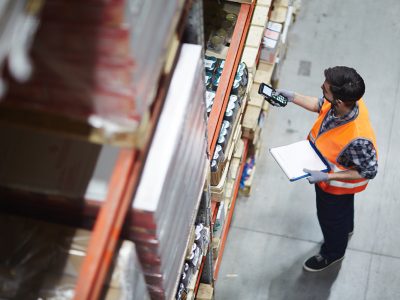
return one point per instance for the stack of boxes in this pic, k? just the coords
(263, 49)
(168, 194)
(259, 72)
(95, 62)
(271, 42)
(281, 17)
(251, 56)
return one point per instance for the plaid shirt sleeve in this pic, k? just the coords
(361, 155)
(320, 103)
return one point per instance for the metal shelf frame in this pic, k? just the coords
(217, 113)
(123, 184)
(228, 74)
(110, 219)
(220, 102)
(228, 220)
(126, 173)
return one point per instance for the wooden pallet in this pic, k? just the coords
(264, 72)
(278, 14)
(206, 292)
(218, 190)
(41, 121)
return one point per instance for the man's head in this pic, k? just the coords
(345, 84)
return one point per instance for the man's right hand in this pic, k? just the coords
(273, 102)
(288, 94)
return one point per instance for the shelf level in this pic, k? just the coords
(227, 223)
(113, 211)
(228, 74)
(214, 211)
(108, 225)
(199, 274)
(123, 184)
(187, 238)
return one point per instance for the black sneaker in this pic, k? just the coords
(318, 263)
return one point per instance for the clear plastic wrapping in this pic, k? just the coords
(42, 260)
(172, 180)
(97, 61)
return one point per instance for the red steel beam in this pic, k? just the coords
(228, 74)
(123, 184)
(107, 228)
(227, 224)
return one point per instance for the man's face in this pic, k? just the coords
(326, 91)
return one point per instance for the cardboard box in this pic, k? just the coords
(264, 72)
(255, 98)
(251, 115)
(265, 106)
(284, 3)
(278, 14)
(249, 57)
(260, 16)
(270, 50)
(270, 34)
(254, 36)
(264, 2)
(205, 292)
(274, 26)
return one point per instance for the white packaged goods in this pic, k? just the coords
(274, 26)
(274, 35)
(162, 211)
(269, 50)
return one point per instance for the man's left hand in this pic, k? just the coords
(316, 176)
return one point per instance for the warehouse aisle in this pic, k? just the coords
(276, 229)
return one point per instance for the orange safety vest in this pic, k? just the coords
(332, 142)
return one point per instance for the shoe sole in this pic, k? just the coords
(314, 270)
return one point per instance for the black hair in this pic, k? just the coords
(345, 83)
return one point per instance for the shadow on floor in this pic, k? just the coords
(295, 283)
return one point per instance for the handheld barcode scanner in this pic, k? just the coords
(272, 96)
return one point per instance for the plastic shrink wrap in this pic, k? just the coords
(97, 61)
(40, 260)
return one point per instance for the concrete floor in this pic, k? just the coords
(276, 228)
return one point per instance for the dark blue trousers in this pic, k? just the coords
(336, 218)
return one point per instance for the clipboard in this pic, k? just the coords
(295, 157)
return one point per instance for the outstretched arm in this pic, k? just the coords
(307, 102)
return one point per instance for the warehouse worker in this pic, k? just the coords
(344, 135)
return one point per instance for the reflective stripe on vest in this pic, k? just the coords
(348, 185)
(332, 142)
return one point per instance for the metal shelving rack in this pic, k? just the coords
(217, 113)
(123, 184)
(228, 74)
(109, 218)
